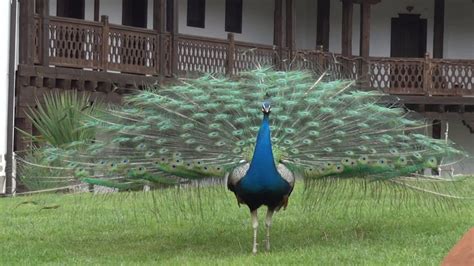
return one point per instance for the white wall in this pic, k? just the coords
(257, 21)
(458, 30)
(461, 135)
(305, 24)
(111, 8)
(4, 71)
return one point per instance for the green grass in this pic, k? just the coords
(166, 227)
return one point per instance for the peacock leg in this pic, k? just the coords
(255, 227)
(268, 224)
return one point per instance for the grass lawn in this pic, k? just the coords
(166, 227)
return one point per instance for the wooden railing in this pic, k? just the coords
(106, 47)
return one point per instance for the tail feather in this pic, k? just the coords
(205, 127)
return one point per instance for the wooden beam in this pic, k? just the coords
(278, 24)
(365, 29)
(347, 12)
(323, 24)
(438, 38)
(96, 10)
(290, 38)
(27, 32)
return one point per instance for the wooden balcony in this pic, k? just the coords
(104, 47)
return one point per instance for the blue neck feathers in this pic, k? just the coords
(262, 171)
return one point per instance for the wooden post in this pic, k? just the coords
(159, 25)
(438, 28)
(365, 41)
(44, 13)
(105, 43)
(427, 75)
(347, 12)
(159, 15)
(278, 32)
(290, 37)
(174, 38)
(365, 29)
(96, 10)
(230, 54)
(27, 32)
(323, 24)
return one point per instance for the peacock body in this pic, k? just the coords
(213, 127)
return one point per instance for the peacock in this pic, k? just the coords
(260, 130)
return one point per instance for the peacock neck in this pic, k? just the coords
(263, 162)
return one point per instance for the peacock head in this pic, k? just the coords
(266, 107)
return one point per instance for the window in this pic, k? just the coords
(196, 13)
(135, 13)
(233, 16)
(70, 8)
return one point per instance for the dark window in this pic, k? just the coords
(70, 9)
(196, 13)
(135, 13)
(408, 36)
(233, 16)
(169, 15)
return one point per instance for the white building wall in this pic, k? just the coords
(458, 30)
(4, 72)
(111, 8)
(461, 135)
(257, 21)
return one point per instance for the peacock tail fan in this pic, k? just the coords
(202, 128)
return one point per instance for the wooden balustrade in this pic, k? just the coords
(106, 47)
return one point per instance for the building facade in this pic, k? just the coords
(420, 51)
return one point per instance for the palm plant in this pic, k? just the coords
(59, 118)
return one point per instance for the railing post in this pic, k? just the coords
(105, 43)
(230, 55)
(427, 74)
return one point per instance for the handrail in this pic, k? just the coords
(109, 47)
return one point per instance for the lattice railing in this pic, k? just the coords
(335, 65)
(250, 56)
(452, 77)
(132, 50)
(74, 43)
(201, 55)
(399, 76)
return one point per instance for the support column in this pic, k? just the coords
(159, 15)
(43, 10)
(278, 24)
(347, 12)
(323, 24)
(96, 10)
(290, 38)
(174, 34)
(27, 32)
(365, 29)
(438, 38)
(159, 25)
(278, 32)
